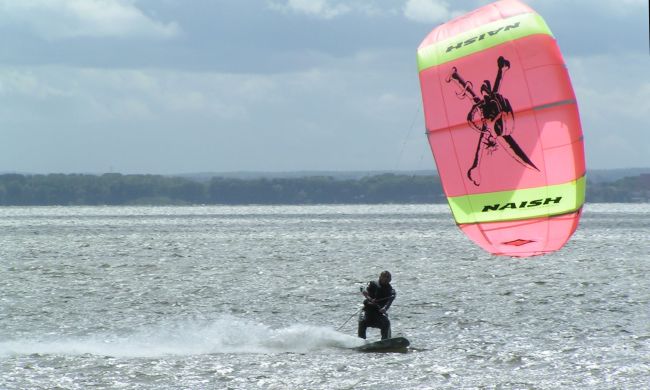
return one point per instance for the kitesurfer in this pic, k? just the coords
(379, 296)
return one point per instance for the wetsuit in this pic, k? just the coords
(371, 315)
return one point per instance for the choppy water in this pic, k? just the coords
(251, 297)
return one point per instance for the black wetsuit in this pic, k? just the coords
(371, 315)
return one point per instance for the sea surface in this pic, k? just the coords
(265, 297)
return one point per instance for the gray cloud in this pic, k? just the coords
(204, 85)
(61, 19)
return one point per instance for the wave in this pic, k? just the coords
(227, 334)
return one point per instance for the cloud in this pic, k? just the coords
(318, 8)
(100, 95)
(20, 83)
(428, 11)
(425, 11)
(614, 104)
(332, 89)
(226, 121)
(61, 19)
(607, 8)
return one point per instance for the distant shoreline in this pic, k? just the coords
(385, 188)
(593, 175)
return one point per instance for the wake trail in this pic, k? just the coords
(227, 334)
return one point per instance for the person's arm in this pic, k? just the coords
(389, 302)
(369, 293)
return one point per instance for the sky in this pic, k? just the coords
(187, 86)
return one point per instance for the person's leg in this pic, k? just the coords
(385, 327)
(362, 329)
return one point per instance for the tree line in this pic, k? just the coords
(118, 189)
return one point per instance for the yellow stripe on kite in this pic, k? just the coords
(519, 204)
(481, 38)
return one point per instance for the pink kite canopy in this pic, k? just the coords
(503, 125)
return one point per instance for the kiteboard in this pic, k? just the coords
(396, 344)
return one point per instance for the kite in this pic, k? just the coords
(503, 125)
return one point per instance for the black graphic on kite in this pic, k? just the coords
(492, 116)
